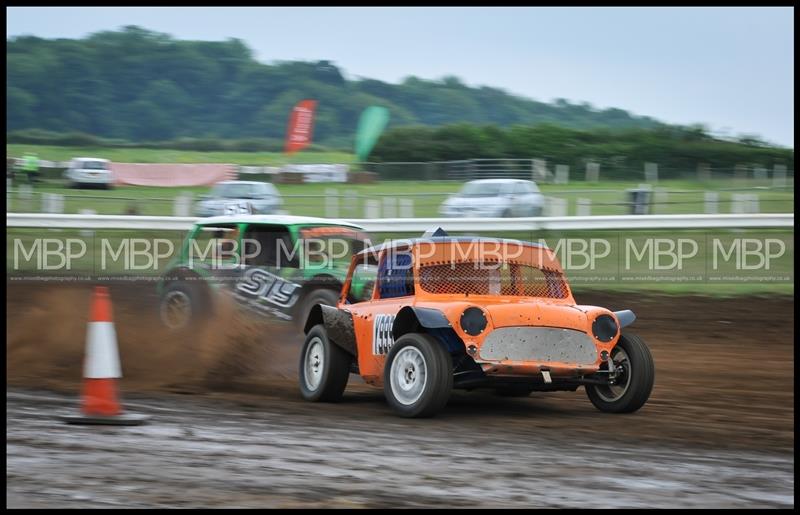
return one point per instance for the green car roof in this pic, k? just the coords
(275, 219)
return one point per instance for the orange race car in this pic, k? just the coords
(464, 312)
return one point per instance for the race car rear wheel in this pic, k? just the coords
(182, 304)
(634, 381)
(324, 367)
(418, 376)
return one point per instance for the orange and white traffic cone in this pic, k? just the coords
(101, 370)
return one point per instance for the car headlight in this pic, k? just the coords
(473, 321)
(605, 328)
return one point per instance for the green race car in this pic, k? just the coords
(279, 266)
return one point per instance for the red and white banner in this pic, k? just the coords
(171, 174)
(301, 124)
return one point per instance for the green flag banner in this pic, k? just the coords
(370, 126)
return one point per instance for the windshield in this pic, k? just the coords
(230, 190)
(481, 189)
(331, 245)
(212, 245)
(489, 277)
(92, 165)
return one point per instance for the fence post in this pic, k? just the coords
(539, 169)
(56, 203)
(52, 203)
(583, 207)
(25, 192)
(592, 171)
(562, 174)
(650, 172)
(182, 205)
(389, 207)
(372, 209)
(331, 203)
(87, 232)
(555, 206)
(752, 204)
(779, 176)
(660, 198)
(711, 199)
(737, 203)
(351, 202)
(406, 207)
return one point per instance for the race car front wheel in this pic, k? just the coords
(324, 367)
(417, 376)
(634, 378)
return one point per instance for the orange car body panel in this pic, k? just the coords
(501, 311)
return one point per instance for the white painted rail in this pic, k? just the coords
(566, 223)
(420, 225)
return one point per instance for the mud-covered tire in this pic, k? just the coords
(194, 298)
(324, 367)
(415, 357)
(639, 380)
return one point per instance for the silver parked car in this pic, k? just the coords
(239, 197)
(89, 171)
(495, 198)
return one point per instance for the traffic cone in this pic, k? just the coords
(101, 369)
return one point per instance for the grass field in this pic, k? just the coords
(157, 155)
(607, 198)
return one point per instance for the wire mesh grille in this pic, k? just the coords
(491, 278)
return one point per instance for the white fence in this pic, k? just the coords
(420, 225)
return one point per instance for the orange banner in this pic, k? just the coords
(301, 123)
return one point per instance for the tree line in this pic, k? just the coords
(138, 85)
(678, 151)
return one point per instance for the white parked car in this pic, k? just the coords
(495, 198)
(239, 197)
(89, 171)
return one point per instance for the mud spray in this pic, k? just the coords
(231, 350)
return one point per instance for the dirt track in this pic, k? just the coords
(717, 431)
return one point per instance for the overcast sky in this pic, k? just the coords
(730, 68)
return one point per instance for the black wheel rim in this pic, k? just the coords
(622, 381)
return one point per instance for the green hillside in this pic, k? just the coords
(139, 85)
